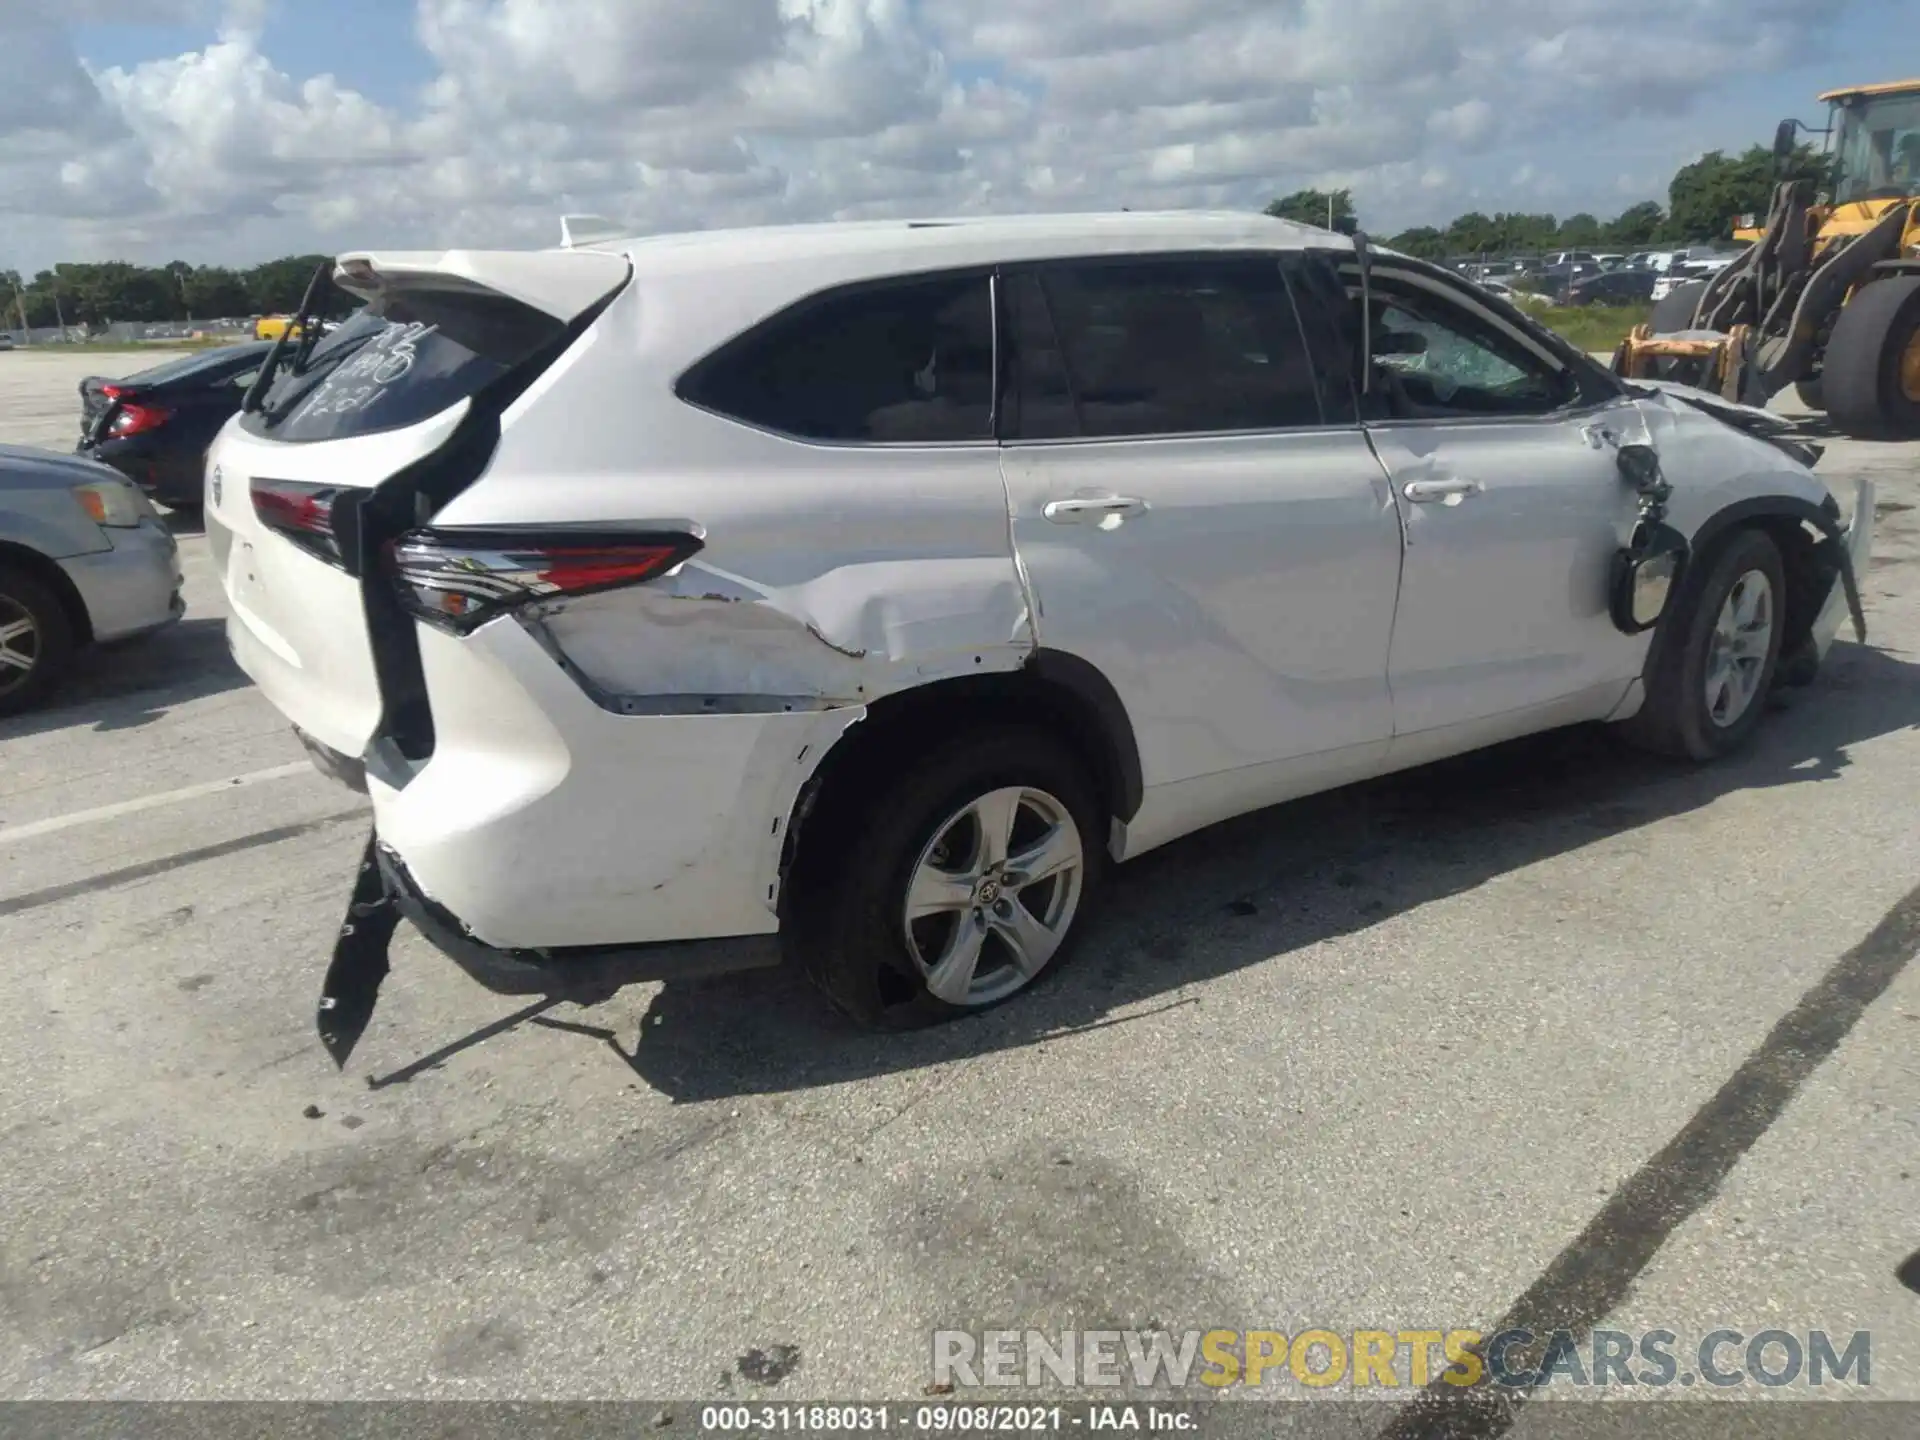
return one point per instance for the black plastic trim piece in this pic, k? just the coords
(1070, 672)
(568, 970)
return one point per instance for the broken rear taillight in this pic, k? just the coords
(304, 513)
(458, 579)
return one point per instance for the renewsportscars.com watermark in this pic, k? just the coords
(1397, 1359)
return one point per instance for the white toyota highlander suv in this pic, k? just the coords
(863, 591)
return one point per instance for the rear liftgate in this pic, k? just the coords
(456, 580)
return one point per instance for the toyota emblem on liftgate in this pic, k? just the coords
(215, 484)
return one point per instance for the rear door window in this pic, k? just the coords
(904, 362)
(1163, 347)
(405, 357)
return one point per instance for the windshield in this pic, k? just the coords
(1878, 148)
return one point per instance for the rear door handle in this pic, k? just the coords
(1075, 512)
(1446, 492)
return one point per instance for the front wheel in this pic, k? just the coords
(36, 641)
(963, 882)
(1709, 678)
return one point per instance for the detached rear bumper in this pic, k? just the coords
(569, 970)
(1859, 540)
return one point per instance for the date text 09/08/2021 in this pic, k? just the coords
(943, 1418)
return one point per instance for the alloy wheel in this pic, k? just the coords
(19, 644)
(1737, 653)
(993, 894)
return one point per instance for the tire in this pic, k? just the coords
(1868, 393)
(1676, 718)
(1674, 310)
(1812, 393)
(34, 627)
(851, 928)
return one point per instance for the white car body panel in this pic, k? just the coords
(560, 283)
(544, 819)
(1503, 591)
(1243, 615)
(298, 628)
(831, 573)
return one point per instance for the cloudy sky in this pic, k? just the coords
(235, 130)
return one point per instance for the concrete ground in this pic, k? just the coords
(1555, 1033)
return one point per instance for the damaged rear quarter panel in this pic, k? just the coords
(831, 574)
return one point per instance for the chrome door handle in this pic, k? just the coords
(1447, 492)
(1072, 512)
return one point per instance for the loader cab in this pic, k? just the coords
(1876, 142)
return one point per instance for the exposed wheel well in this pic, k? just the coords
(49, 574)
(1807, 577)
(1059, 693)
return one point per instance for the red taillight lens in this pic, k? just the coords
(131, 419)
(304, 513)
(460, 579)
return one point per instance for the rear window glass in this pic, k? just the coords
(403, 358)
(901, 362)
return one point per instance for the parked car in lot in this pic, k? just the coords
(154, 427)
(960, 560)
(1612, 287)
(84, 558)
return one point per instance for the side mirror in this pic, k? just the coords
(1645, 575)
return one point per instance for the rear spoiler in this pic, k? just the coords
(560, 283)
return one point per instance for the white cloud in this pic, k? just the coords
(669, 114)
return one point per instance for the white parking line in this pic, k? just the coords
(150, 802)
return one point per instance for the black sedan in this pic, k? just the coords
(1613, 287)
(155, 427)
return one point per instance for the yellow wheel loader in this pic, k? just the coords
(1827, 296)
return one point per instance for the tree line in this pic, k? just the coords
(1703, 201)
(99, 294)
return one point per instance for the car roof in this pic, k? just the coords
(904, 246)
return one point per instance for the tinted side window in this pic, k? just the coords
(900, 362)
(1179, 346)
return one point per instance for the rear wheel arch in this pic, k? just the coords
(56, 580)
(1053, 691)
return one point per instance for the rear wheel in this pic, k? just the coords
(36, 641)
(1710, 675)
(1812, 394)
(955, 886)
(1871, 377)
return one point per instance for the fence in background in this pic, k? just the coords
(123, 331)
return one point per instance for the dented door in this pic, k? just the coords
(1237, 589)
